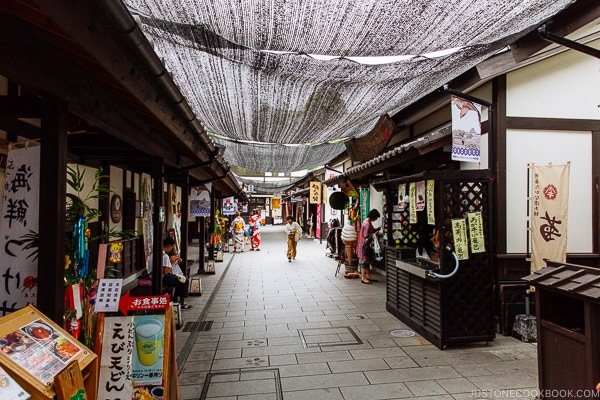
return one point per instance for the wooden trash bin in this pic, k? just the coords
(568, 328)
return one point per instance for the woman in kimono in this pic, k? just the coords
(238, 226)
(254, 222)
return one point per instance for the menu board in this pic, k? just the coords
(40, 349)
(10, 389)
(36, 350)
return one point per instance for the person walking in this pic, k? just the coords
(311, 226)
(254, 222)
(238, 230)
(365, 237)
(172, 274)
(292, 228)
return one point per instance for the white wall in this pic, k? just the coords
(541, 147)
(563, 86)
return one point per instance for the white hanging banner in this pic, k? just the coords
(466, 130)
(200, 201)
(549, 213)
(20, 219)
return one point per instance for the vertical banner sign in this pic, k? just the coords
(200, 201)
(20, 217)
(318, 221)
(365, 205)
(315, 193)
(466, 130)
(430, 202)
(549, 213)
(459, 235)
(132, 356)
(412, 203)
(228, 206)
(476, 232)
(402, 199)
(115, 363)
(420, 195)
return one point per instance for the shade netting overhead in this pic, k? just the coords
(254, 72)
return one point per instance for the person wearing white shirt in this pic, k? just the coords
(291, 229)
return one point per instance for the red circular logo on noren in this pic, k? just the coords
(550, 192)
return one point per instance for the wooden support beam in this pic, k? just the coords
(53, 183)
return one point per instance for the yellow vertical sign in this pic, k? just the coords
(476, 232)
(459, 235)
(430, 206)
(315, 193)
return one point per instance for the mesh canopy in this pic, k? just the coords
(249, 69)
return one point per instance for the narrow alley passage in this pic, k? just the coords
(267, 329)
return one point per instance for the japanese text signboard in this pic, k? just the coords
(549, 213)
(20, 217)
(315, 193)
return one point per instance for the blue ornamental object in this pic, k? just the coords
(80, 251)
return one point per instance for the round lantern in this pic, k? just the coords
(338, 200)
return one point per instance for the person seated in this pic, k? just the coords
(172, 274)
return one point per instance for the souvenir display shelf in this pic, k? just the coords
(454, 309)
(41, 349)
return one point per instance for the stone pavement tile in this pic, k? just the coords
(286, 359)
(264, 387)
(505, 381)
(228, 353)
(358, 365)
(323, 381)
(239, 344)
(304, 369)
(376, 392)
(274, 321)
(235, 363)
(425, 388)
(416, 340)
(476, 369)
(202, 355)
(412, 374)
(286, 340)
(233, 323)
(231, 336)
(200, 365)
(270, 334)
(400, 362)
(202, 345)
(378, 353)
(190, 392)
(279, 350)
(520, 366)
(457, 385)
(317, 394)
(324, 357)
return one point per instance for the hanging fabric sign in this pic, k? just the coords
(476, 232)
(549, 213)
(200, 201)
(228, 205)
(20, 218)
(402, 199)
(315, 193)
(420, 195)
(459, 235)
(412, 203)
(430, 202)
(466, 130)
(365, 205)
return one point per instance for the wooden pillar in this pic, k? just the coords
(185, 212)
(158, 200)
(53, 185)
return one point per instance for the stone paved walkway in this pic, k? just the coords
(268, 329)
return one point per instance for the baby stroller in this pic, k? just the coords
(334, 241)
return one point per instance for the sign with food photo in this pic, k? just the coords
(40, 349)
